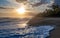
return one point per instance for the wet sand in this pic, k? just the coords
(48, 21)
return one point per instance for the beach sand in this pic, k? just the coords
(48, 21)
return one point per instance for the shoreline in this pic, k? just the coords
(48, 21)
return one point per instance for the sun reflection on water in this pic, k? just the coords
(22, 25)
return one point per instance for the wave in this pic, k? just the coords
(9, 29)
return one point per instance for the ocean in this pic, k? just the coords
(18, 28)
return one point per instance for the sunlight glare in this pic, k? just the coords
(21, 10)
(22, 25)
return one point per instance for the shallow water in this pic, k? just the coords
(12, 28)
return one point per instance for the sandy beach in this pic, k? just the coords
(48, 21)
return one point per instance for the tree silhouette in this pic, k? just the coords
(54, 12)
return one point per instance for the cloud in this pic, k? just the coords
(15, 4)
(21, 0)
(5, 8)
(9, 3)
(40, 5)
(2, 8)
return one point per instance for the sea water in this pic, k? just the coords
(13, 28)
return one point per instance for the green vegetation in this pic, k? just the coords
(54, 12)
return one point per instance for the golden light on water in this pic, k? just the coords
(21, 10)
(22, 25)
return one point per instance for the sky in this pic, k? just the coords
(14, 4)
(57, 2)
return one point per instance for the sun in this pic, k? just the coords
(21, 10)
